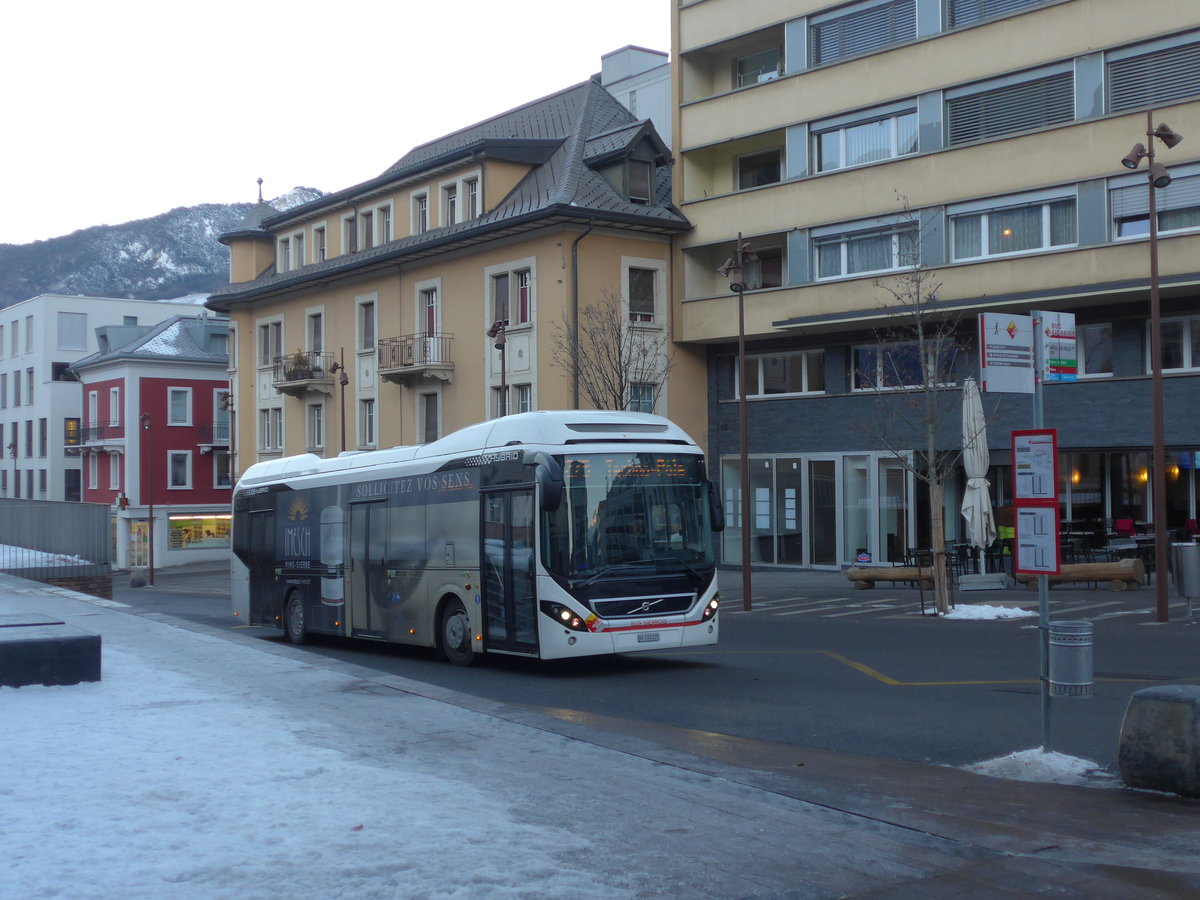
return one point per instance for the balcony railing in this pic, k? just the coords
(210, 436)
(102, 434)
(303, 372)
(411, 357)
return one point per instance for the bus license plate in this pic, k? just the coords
(649, 637)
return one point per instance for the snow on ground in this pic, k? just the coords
(983, 611)
(1049, 767)
(24, 558)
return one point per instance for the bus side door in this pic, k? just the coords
(368, 578)
(510, 603)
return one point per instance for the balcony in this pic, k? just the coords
(412, 357)
(213, 437)
(111, 435)
(303, 372)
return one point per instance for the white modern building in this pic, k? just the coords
(40, 409)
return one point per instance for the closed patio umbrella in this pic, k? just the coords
(977, 501)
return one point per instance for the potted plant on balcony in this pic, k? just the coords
(298, 367)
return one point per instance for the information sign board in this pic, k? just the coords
(1005, 353)
(1035, 466)
(1055, 334)
(1037, 540)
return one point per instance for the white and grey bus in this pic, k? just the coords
(544, 534)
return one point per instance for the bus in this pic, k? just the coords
(550, 535)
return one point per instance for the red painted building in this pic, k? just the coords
(155, 439)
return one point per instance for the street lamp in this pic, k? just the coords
(743, 270)
(145, 420)
(12, 451)
(343, 380)
(1157, 177)
(496, 332)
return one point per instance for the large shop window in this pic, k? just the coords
(198, 532)
(1014, 229)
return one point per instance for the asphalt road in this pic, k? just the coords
(814, 665)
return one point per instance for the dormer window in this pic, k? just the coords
(641, 181)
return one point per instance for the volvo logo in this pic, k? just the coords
(647, 604)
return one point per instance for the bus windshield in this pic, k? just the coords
(629, 509)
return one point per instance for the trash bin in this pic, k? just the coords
(1185, 563)
(1070, 659)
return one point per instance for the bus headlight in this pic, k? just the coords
(565, 617)
(710, 609)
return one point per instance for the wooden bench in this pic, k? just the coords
(864, 577)
(1121, 574)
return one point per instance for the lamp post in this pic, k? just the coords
(12, 451)
(735, 269)
(343, 380)
(145, 420)
(496, 332)
(1157, 177)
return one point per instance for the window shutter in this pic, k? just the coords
(1134, 200)
(1154, 78)
(968, 12)
(1015, 107)
(864, 30)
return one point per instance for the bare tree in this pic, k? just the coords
(913, 367)
(612, 355)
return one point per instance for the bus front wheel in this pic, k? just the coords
(293, 619)
(456, 634)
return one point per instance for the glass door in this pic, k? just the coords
(822, 512)
(893, 510)
(510, 603)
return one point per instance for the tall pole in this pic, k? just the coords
(1043, 581)
(149, 495)
(1158, 460)
(343, 380)
(743, 430)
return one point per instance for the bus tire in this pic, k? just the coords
(454, 633)
(294, 628)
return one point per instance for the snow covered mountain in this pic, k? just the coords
(159, 258)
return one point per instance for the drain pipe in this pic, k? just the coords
(575, 314)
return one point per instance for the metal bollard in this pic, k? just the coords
(1070, 659)
(1185, 564)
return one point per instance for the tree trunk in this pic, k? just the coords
(937, 531)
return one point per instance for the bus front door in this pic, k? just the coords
(510, 604)
(368, 578)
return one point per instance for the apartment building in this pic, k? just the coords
(155, 438)
(436, 295)
(40, 403)
(979, 142)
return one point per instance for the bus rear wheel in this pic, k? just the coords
(456, 634)
(293, 620)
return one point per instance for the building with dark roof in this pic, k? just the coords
(362, 319)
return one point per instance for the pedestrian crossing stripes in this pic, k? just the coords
(897, 608)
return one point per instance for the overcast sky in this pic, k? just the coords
(123, 110)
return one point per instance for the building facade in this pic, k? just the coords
(371, 317)
(155, 439)
(854, 144)
(40, 403)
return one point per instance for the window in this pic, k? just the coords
(93, 467)
(42, 482)
(472, 190)
(319, 243)
(270, 343)
(4, 391)
(14, 331)
(179, 406)
(755, 169)
(524, 398)
(17, 388)
(222, 477)
(4, 483)
(1095, 349)
(366, 325)
(350, 234)
(72, 331)
(29, 387)
(179, 469)
(1180, 344)
(114, 406)
(29, 334)
(969, 12)
(856, 253)
(43, 436)
(641, 289)
(865, 28)
(270, 428)
(765, 65)
(93, 411)
(782, 374)
(285, 255)
(2, 338)
(862, 142)
(1153, 76)
(316, 332)
(29, 438)
(316, 426)
(114, 471)
(976, 114)
(366, 423)
(429, 418)
(71, 433)
(450, 204)
(1178, 206)
(420, 213)
(366, 230)
(385, 224)
(641, 181)
(1015, 229)
(297, 250)
(893, 366)
(430, 315)
(641, 398)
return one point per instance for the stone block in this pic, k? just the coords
(48, 654)
(1160, 740)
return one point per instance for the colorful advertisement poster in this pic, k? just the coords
(1055, 334)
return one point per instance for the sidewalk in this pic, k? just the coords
(211, 764)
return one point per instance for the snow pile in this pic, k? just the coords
(984, 612)
(1049, 767)
(24, 558)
